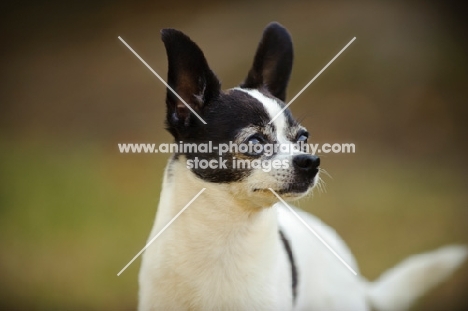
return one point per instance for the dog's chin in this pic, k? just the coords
(293, 195)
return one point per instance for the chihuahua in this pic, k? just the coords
(236, 247)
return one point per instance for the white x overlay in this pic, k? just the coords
(201, 191)
(160, 232)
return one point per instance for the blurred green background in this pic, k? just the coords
(73, 211)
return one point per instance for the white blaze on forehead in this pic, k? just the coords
(273, 108)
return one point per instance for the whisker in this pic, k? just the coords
(322, 170)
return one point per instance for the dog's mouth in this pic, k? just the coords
(291, 189)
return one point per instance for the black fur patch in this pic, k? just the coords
(289, 252)
(226, 117)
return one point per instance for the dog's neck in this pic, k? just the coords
(218, 213)
(216, 238)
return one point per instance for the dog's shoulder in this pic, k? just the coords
(321, 276)
(313, 235)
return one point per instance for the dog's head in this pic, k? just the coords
(239, 117)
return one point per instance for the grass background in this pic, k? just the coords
(73, 211)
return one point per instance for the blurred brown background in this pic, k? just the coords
(73, 211)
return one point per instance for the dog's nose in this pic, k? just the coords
(306, 162)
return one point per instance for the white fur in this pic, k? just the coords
(397, 288)
(224, 253)
(215, 256)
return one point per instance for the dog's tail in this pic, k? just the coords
(400, 286)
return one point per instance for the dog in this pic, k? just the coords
(236, 247)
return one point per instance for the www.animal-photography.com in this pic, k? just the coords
(269, 155)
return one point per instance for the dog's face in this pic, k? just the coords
(261, 153)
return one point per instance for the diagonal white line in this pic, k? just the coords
(313, 79)
(313, 231)
(162, 230)
(162, 80)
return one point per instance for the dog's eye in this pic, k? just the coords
(254, 146)
(254, 140)
(302, 137)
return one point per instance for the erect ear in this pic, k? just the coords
(189, 76)
(273, 62)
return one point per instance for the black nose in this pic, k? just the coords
(306, 162)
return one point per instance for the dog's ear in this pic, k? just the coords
(189, 76)
(273, 62)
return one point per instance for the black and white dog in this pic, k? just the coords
(236, 247)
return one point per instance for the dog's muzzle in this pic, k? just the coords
(306, 167)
